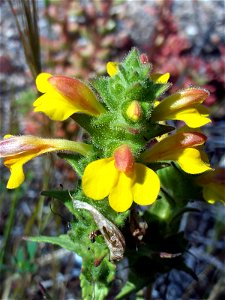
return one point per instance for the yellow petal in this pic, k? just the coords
(7, 136)
(190, 161)
(15, 165)
(112, 68)
(156, 103)
(214, 192)
(55, 106)
(16, 178)
(160, 78)
(99, 178)
(194, 117)
(147, 185)
(120, 197)
(42, 82)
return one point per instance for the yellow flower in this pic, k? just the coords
(182, 148)
(17, 150)
(120, 178)
(184, 106)
(64, 96)
(213, 184)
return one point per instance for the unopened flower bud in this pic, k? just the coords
(144, 58)
(134, 111)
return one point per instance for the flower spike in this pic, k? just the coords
(184, 106)
(182, 148)
(17, 150)
(64, 96)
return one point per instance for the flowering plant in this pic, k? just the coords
(137, 173)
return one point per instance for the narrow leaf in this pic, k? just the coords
(62, 240)
(63, 196)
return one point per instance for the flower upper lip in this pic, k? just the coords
(185, 106)
(64, 96)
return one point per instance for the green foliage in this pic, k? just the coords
(97, 270)
(63, 196)
(62, 240)
(96, 277)
(179, 186)
(24, 258)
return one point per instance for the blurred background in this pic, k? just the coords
(77, 38)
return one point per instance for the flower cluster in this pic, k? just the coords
(124, 116)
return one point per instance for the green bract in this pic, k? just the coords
(132, 82)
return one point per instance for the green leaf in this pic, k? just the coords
(178, 185)
(97, 289)
(73, 160)
(132, 60)
(84, 121)
(161, 88)
(128, 288)
(101, 84)
(132, 286)
(161, 208)
(63, 241)
(63, 196)
(31, 249)
(20, 255)
(158, 130)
